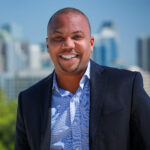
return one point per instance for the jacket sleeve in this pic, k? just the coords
(21, 141)
(140, 120)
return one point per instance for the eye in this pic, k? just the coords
(58, 38)
(77, 37)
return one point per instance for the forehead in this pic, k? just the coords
(69, 22)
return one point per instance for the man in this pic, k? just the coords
(82, 105)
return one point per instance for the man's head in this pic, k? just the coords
(69, 41)
(65, 11)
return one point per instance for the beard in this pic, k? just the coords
(70, 69)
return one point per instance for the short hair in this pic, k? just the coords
(65, 11)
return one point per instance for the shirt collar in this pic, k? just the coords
(87, 72)
(86, 76)
(82, 81)
(55, 86)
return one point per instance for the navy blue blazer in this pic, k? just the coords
(119, 112)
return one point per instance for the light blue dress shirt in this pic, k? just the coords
(70, 116)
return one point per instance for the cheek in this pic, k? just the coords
(53, 49)
(84, 49)
(81, 46)
(51, 54)
(87, 53)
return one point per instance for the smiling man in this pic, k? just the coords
(82, 105)
(69, 44)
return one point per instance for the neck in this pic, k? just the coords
(69, 82)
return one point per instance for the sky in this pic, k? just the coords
(130, 17)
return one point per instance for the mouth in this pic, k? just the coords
(68, 56)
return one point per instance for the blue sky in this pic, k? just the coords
(131, 18)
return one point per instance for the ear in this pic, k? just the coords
(47, 44)
(92, 43)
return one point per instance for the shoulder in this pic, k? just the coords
(115, 74)
(36, 94)
(39, 86)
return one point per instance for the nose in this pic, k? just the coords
(68, 43)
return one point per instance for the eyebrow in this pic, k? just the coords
(56, 31)
(78, 31)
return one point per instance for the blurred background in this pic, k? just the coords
(122, 40)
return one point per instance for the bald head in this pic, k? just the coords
(66, 11)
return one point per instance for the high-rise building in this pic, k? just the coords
(143, 53)
(13, 84)
(35, 57)
(106, 45)
(14, 30)
(2, 56)
(46, 61)
(11, 48)
(8, 49)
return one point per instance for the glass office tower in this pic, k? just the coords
(106, 45)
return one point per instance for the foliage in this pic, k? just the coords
(8, 110)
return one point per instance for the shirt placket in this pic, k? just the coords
(75, 122)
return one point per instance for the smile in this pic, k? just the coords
(69, 56)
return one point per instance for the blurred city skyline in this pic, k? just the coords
(130, 18)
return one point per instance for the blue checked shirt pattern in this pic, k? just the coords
(70, 116)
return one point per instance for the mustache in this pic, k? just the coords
(71, 51)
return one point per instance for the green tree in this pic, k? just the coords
(8, 110)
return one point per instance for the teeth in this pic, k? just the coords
(68, 56)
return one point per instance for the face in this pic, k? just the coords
(69, 43)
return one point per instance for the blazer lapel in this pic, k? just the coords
(97, 96)
(45, 102)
